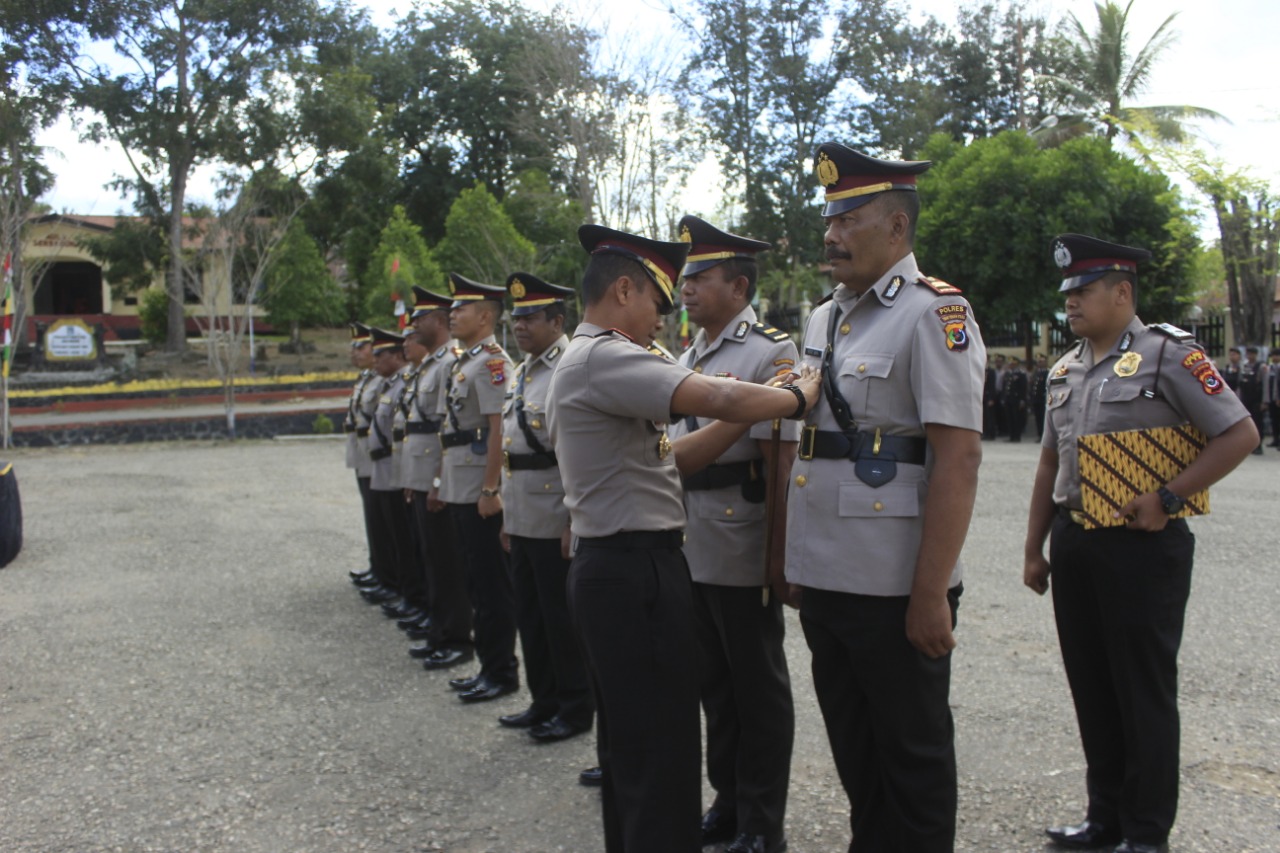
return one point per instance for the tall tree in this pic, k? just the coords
(298, 289)
(401, 260)
(479, 240)
(1103, 76)
(189, 85)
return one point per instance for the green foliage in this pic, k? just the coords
(480, 242)
(401, 260)
(153, 313)
(322, 425)
(299, 290)
(992, 208)
(130, 253)
(550, 220)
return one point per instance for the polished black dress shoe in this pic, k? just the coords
(592, 777)
(378, 594)
(748, 843)
(447, 657)
(355, 576)
(366, 583)
(425, 650)
(414, 620)
(464, 684)
(422, 632)
(1085, 836)
(488, 688)
(719, 825)
(555, 729)
(400, 610)
(527, 718)
(1128, 846)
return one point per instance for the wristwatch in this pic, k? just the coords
(488, 493)
(435, 484)
(1172, 503)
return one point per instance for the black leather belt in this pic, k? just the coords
(909, 450)
(362, 432)
(348, 427)
(636, 540)
(421, 427)
(721, 476)
(379, 453)
(466, 436)
(397, 433)
(1074, 516)
(530, 461)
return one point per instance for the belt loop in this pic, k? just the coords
(807, 437)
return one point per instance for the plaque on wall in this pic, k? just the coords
(70, 339)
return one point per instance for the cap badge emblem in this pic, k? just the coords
(828, 174)
(1061, 255)
(517, 289)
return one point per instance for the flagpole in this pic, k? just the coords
(6, 353)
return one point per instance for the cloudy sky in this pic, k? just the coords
(1224, 59)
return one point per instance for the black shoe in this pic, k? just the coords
(527, 718)
(748, 843)
(592, 777)
(719, 826)
(487, 688)
(421, 632)
(426, 650)
(556, 729)
(1127, 846)
(447, 657)
(366, 583)
(462, 685)
(1087, 835)
(414, 620)
(401, 609)
(1257, 451)
(378, 594)
(364, 575)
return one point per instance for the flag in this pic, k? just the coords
(395, 265)
(6, 347)
(684, 327)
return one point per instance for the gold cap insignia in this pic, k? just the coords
(517, 289)
(685, 236)
(828, 174)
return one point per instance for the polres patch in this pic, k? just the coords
(497, 371)
(953, 319)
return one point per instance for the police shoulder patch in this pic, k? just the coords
(938, 286)
(775, 335)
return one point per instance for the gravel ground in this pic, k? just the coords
(184, 667)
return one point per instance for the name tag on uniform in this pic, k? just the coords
(813, 351)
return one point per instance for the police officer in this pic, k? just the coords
(1040, 392)
(746, 688)
(536, 522)
(1252, 389)
(1015, 399)
(1272, 397)
(629, 592)
(355, 427)
(881, 496)
(446, 626)
(470, 483)
(1120, 593)
(396, 547)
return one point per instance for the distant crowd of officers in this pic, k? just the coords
(638, 521)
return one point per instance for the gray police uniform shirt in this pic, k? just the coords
(420, 452)
(364, 423)
(1172, 383)
(904, 355)
(532, 500)
(609, 405)
(398, 417)
(357, 455)
(386, 474)
(475, 386)
(724, 540)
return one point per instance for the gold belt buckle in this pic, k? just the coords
(807, 437)
(506, 462)
(1077, 517)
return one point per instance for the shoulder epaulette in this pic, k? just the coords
(1182, 336)
(775, 335)
(494, 348)
(824, 300)
(938, 286)
(660, 351)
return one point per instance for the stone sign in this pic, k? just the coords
(70, 339)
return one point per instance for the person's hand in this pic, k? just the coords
(809, 381)
(787, 593)
(434, 504)
(1145, 512)
(489, 507)
(929, 625)
(1035, 573)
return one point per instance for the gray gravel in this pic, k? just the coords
(184, 667)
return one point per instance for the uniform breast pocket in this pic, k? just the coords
(1119, 392)
(892, 500)
(858, 377)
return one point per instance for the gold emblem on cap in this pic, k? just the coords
(685, 235)
(1128, 364)
(517, 289)
(828, 174)
(664, 446)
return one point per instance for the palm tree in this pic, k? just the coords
(1100, 77)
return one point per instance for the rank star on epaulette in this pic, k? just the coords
(741, 332)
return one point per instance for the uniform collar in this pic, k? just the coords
(552, 353)
(735, 330)
(888, 287)
(479, 347)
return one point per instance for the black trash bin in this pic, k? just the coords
(10, 515)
